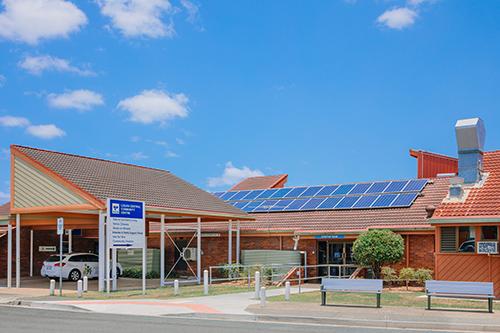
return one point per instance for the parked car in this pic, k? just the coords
(74, 266)
(468, 246)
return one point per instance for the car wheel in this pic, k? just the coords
(74, 275)
(118, 273)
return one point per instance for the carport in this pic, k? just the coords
(46, 185)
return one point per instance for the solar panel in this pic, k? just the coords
(252, 205)
(295, 192)
(312, 203)
(347, 202)
(396, 186)
(327, 190)
(329, 203)
(404, 200)
(378, 187)
(218, 194)
(311, 191)
(415, 185)
(365, 201)
(253, 194)
(239, 195)
(296, 204)
(265, 206)
(360, 188)
(267, 194)
(343, 189)
(384, 200)
(240, 204)
(227, 196)
(281, 204)
(281, 193)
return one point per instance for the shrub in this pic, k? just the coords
(375, 248)
(136, 273)
(422, 275)
(231, 270)
(407, 274)
(389, 274)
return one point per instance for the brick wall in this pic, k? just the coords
(421, 252)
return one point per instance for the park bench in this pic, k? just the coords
(351, 285)
(459, 289)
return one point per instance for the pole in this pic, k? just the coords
(60, 261)
(198, 250)
(9, 255)
(31, 253)
(238, 242)
(257, 285)
(205, 282)
(144, 264)
(114, 273)
(107, 271)
(162, 251)
(18, 250)
(70, 241)
(102, 250)
(230, 243)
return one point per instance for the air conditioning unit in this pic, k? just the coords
(189, 253)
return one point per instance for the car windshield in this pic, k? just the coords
(54, 258)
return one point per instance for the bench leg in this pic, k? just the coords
(490, 305)
(323, 298)
(378, 300)
(428, 302)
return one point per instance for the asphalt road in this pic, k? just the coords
(26, 320)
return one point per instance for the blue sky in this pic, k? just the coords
(326, 91)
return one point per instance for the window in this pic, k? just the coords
(448, 239)
(489, 233)
(458, 239)
(78, 258)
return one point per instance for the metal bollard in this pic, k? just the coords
(79, 288)
(52, 287)
(287, 291)
(176, 287)
(257, 285)
(205, 282)
(85, 284)
(263, 296)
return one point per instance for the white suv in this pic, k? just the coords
(74, 266)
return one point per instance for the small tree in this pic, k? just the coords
(407, 274)
(422, 275)
(376, 248)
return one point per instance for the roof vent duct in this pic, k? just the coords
(470, 141)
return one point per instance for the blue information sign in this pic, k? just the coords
(126, 221)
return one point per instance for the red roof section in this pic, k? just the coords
(429, 165)
(5, 209)
(261, 182)
(483, 201)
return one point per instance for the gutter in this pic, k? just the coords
(453, 220)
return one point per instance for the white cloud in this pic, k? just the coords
(180, 141)
(12, 121)
(232, 175)
(139, 156)
(48, 131)
(4, 197)
(36, 65)
(152, 106)
(3, 79)
(398, 18)
(419, 2)
(171, 154)
(139, 18)
(30, 21)
(81, 99)
(193, 11)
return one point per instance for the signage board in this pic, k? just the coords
(47, 249)
(330, 237)
(126, 221)
(487, 247)
(60, 226)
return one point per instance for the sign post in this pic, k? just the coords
(126, 229)
(60, 232)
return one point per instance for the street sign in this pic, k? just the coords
(127, 224)
(60, 226)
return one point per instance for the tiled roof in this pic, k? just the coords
(261, 182)
(353, 220)
(480, 202)
(106, 179)
(5, 209)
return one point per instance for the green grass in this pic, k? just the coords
(389, 298)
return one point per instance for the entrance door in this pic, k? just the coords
(335, 253)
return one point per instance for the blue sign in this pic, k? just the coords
(126, 209)
(126, 223)
(330, 237)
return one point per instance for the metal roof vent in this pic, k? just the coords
(470, 141)
(456, 189)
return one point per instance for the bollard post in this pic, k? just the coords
(85, 284)
(176, 287)
(287, 291)
(79, 288)
(263, 296)
(52, 287)
(257, 285)
(205, 282)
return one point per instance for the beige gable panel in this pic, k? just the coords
(35, 189)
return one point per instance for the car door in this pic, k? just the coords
(74, 262)
(92, 261)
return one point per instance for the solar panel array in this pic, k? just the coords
(388, 194)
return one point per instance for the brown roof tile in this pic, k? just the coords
(106, 179)
(261, 182)
(5, 209)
